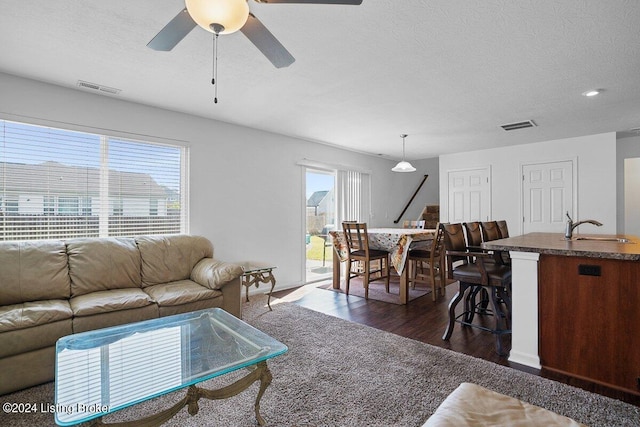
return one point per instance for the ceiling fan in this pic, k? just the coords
(226, 17)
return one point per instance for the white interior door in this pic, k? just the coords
(547, 191)
(469, 195)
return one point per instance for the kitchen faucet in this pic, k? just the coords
(568, 232)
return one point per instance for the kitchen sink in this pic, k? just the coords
(604, 239)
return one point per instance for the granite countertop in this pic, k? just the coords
(555, 244)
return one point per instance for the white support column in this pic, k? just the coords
(524, 300)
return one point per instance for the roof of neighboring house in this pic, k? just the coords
(316, 198)
(57, 178)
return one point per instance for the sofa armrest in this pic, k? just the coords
(224, 277)
(215, 274)
(231, 297)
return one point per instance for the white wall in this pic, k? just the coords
(596, 177)
(628, 218)
(245, 185)
(632, 196)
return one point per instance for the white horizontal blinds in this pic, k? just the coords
(353, 196)
(48, 182)
(144, 188)
(57, 184)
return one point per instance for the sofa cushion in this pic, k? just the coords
(106, 301)
(213, 273)
(169, 258)
(180, 292)
(100, 264)
(29, 339)
(33, 271)
(30, 314)
(114, 318)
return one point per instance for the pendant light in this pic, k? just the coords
(403, 166)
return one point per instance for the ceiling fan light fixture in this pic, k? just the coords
(230, 14)
(403, 166)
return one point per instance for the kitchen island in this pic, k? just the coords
(576, 305)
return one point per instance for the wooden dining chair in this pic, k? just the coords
(504, 230)
(360, 255)
(474, 274)
(431, 260)
(413, 224)
(490, 231)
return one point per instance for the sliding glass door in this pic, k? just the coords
(332, 196)
(320, 219)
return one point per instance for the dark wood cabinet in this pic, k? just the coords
(589, 319)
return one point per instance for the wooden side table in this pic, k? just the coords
(256, 273)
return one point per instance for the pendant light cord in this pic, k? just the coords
(403, 137)
(215, 68)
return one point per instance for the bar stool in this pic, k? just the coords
(474, 274)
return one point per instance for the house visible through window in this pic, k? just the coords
(59, 184)
(68, 205)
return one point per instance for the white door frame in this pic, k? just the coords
(574, 162)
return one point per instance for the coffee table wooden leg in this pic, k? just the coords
(272, 279)
(265, 381)
(260, 372)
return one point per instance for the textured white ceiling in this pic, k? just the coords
(446, 72)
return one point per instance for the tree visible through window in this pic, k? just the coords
(57, 183)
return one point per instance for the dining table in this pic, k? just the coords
(396, 241)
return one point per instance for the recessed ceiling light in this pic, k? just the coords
(592, 92)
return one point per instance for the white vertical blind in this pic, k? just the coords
(354, 201)
(56, 183)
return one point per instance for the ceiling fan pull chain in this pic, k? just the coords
(215, 67)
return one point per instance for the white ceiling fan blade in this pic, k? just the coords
(173, 32)
(270, 47)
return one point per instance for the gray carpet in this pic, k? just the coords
(338, 373)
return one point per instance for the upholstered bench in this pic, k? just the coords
(472, 405)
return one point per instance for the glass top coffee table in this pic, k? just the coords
(102, 371)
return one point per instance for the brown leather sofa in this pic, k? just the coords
(53, 288)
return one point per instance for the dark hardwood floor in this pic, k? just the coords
(424, 320)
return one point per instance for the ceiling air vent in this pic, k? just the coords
(519, 125)
(98, 88)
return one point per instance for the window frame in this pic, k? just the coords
(88, 205)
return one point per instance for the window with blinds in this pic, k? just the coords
(57, 184)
